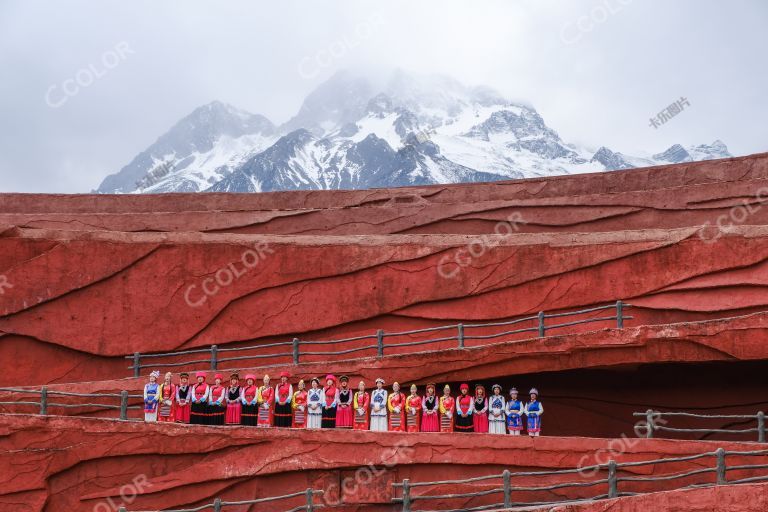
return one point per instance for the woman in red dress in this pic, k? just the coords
(217, 408)
(249, 395)
(183, 399)
(430, 417)
(413, 410)
(234, 405)
(344, 410)
(361, 405)
(396, 406)
(199, 406)
(330, 402)
(447, 407)
(283, 399)
(167, 404)
(480, 413)
(464, 409)
(299, 406)
(266, 404)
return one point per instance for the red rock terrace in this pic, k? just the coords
(652, 284)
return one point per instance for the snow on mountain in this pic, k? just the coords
(352, 134)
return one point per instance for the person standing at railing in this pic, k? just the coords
(413, 410)
(533, 411)
(315, 404)
(283, 398)
(151, 397)
(266, 404)
(344, 411)
(249, 397)
(360, 404)
(480, 410)
(167, 394)
(464, 408)
(379, 407)
(447, 409)
(396, 407)
(234, 405)
(217, 406)
(496, 417)
(299, 406)
(330, 402)
(430, 411)
(183, 399)
(515, 409)
(199, 409)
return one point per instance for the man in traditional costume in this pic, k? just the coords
(151, 397)
(447, 407)
(379, 407)
(396, 407)
(430, 418)
(217, 407)
(344, 410)
(283, 399)
(515, 409)
(266, 404)
(533, 411)
(361, 405)
(249, 396)
(167, 405)
(183, 399)
(234, 405)
(330, 402)
(497, 417)
(299, 406)
(480, 410)
(315, 404)
(199, 409)
(464, 409)
(413, 410)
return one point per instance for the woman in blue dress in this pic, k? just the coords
(533, 410)
(514, 409)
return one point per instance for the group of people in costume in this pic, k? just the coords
(333, 404)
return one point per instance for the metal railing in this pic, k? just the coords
(653, 426)
(218, 504)
(611, 481)
(45, 393)
(460, 336)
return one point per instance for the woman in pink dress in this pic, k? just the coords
(344, 408)
(480, 414)
(430, 417)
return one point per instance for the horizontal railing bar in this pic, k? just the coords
(422, 342)
(581, 311)
(20, 403)
(662, 461)
(419, 331)
(167, 354)
(748, 466)
(749, 479)
(692, 415)
(185, 363)
(501, 324)
(504, 333)
(578, 322)
(104, 406)
(561, 486)
(454, 496)
(749, 453)
(665, 477)
(343, 340)
(705, 430)
(271, 498)
(257, 356)
(449, 482)
(348, 351)
(253, 347)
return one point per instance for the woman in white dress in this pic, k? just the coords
(497, 418)
(379, 407)
(315, 405)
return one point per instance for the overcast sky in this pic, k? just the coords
(86, 85)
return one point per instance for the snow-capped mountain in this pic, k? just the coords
(351, 134)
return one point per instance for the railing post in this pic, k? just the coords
(406, 496)
(214, 357)
(217, 505)
(43, 401)
(542, 329)
(619, 314)
(310, 505)
(461, 335)
(760, 427)
(295, 350)
(124, 405)
(136, 364)
(507, 489)
(721, 469)
(613, 483)
(380, 342)
(649, 424)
